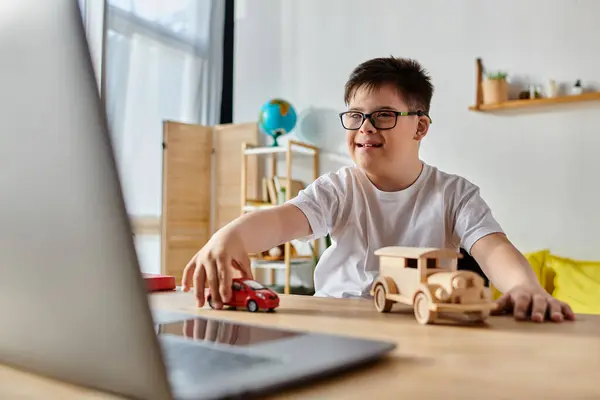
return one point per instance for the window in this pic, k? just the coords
(160, 61)
(187, 20)
(153, 73)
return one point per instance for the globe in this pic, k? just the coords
(277, 117)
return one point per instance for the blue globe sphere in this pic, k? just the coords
(277, 117)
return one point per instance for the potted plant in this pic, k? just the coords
(495, 88)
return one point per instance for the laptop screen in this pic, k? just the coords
(223, 332)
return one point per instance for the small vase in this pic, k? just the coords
(551, 88)
(495, 91)
(577, 88)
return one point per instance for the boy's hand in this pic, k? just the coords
(535, 303)
(214, 263)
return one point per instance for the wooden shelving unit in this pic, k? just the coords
(289, 150)
(523, 103)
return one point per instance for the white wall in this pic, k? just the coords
(537, 170)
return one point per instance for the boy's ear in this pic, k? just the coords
(422, 128)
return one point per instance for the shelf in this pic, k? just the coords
(250, 208)
(304, 257)
(296, 147)
(281, 264)
(289, 149)
(517, 104)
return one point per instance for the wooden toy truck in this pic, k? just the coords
(415, 276)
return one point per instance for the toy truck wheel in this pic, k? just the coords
(382, 304)
(423, 314)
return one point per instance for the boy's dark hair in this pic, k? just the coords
(406, 75)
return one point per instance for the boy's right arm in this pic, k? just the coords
(229, 247)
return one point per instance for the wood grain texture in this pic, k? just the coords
(186, 194)
(145, 225)
(503, 359)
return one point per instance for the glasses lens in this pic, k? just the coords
(384, 119)
(352, 120)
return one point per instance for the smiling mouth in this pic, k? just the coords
(369, 144)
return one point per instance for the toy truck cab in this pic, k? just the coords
(428, 279)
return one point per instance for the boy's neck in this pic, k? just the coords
(408, 175)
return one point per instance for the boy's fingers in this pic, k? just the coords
(567, 311)
(502, 304)
(243, 265)
(538, 308)
(522, 304)
(188, 273)
(212, 277)
(224, 274)
(555, 311)
(199, 283)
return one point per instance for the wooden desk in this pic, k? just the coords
(503, 360)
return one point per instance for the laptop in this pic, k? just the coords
(74, 303)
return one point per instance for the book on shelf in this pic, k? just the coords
(275, 188)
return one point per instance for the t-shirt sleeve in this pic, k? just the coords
(473, 217)
(320, 202)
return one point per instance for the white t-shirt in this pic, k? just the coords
(439, 210)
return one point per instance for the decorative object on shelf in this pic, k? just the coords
(525, 100)
(495, 88)
(534, 93)
(551, 88)
(278, 253)
(577, 88)
(531, 93)
(281, 197)
(277, 118)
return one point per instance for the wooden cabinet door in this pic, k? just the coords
(228, 141)
(186, 201)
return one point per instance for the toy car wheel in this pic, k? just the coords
(421, 308)
(382, 304)
(252, 306)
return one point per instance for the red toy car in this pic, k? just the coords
(251, 295)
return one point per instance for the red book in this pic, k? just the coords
(157, 282)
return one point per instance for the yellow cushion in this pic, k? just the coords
(577, 283)
(538, 261)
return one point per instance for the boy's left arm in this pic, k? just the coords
(511, 273)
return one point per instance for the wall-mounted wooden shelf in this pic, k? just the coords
(516, 104)
(480, 106)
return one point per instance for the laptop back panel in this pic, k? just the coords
(74, 305)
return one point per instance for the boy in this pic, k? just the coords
(390, 197)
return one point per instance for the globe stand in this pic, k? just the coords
(276, 135)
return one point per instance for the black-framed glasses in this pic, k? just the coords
(382, 120)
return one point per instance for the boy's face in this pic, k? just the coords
(381, 152)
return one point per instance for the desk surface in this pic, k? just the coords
(505, 359)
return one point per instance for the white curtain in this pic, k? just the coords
(163, 61)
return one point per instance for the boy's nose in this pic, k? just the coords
(367, 127)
